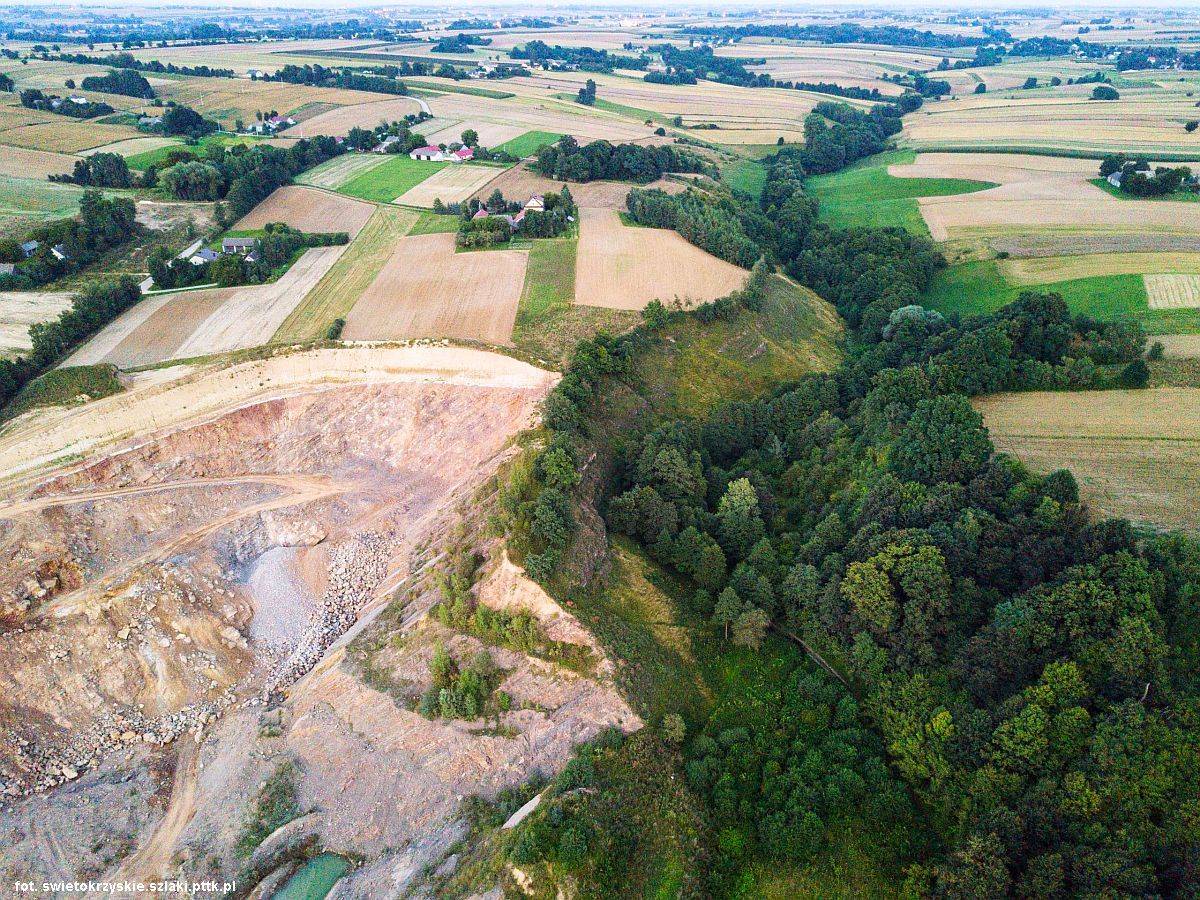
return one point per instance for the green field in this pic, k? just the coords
(529, 143)
(143, 161)
(434, 223)
(745, 175)
(1178, 196)
(865, 195)
(29, 200)
(385, 183)
(975, 288)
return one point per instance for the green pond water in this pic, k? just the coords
(315, 879)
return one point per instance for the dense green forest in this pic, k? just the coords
(974, 686)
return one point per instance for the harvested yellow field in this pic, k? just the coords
(1042, 269)
(13, 115)
(20, 309)
(491, 134)
(1135, 453)
(67, 136)
(1179, 346)
(1018, 176)
(336, 293)
(338, 122)
(450, 185)
(20, 162)
(1173, 291)
(310, 209)
(623, 267)
(134, 146)
(848, 66)
(426, 289)
(229, 99)
(967, 215)
(1144, 120)
(267, 56)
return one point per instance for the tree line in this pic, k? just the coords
(32, 98)
(129, 61)
(569, 161)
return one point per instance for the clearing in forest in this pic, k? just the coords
(624, 267)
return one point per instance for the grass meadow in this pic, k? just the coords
(385, 183)
(528, 143)
(865, 195)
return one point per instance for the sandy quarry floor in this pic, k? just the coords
(195, 522)
(623, 267)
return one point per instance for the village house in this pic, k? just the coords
(1115, 178)
(431, 153)
(255, 73)
(242, 245)
(29, 248)
(59, 252)
(7, 268)
(382, 146)
(202, 256)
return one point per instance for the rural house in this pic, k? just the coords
(202, 256)
(59, 252)
(382, 146)
(242, 245)
(29, 248)
(429, 153)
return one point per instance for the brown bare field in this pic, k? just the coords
(1172, 291)
(1135, 453)
(310, 209)
(338, 122)
(197, 323)
(167, 327)
(521, 182)
(622, 267)
(1032, 244)
(20, 162)
(20, 309)
(450, 185)
(1043, 269)
(425, 289)
(68, 136)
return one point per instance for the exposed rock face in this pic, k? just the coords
(131, 678)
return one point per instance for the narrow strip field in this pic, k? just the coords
(622, 267)
(337, 171)
(1043, 269)
(336, 293)
(427, 290)
(1135, 453)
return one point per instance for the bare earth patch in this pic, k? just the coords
(622, 267)
(20, 309)
(426, 289)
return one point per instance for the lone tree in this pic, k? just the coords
(1104, 92)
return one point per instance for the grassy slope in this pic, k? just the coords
(978, 287)
(335, 294)
(706, 365)
(866, 195)
(548, 323)
(528, 143)
(64, 385)
(745, 175)
(385, 183)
